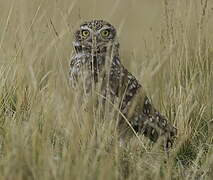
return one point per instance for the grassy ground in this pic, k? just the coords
(167, 45)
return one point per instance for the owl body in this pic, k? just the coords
(96, 60)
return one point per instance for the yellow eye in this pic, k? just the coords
(85, 33)
(105, 33)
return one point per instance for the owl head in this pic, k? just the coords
(95, 37)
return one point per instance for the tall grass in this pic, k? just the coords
(44, 134)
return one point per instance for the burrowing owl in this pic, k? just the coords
(96, 59)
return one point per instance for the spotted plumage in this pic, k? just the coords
(96, 59)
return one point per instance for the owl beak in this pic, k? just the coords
(97, 47)
(94, 43)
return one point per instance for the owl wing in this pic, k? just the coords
(141, 113)
(150, 122)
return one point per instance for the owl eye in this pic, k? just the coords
(85, 33)
(105, 33)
